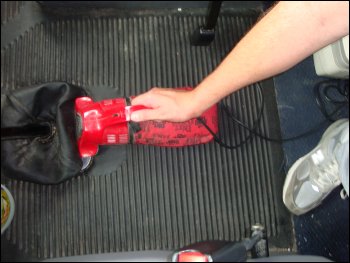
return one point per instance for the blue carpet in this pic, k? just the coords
(324, 231)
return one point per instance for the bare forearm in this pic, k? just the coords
(289, 33)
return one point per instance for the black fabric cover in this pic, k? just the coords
(49, 159)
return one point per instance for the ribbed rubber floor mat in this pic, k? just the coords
(9, 9)
(157, 198)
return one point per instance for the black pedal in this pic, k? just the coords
(202, 36)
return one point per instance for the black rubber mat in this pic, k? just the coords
(155, 198)
(9, 9)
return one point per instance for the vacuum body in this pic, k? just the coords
(107, 122)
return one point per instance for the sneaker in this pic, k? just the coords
(314, 176)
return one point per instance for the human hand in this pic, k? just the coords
(166, 105)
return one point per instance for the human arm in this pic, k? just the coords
(287, 34)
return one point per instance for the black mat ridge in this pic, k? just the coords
(157, 198)
(9, 9)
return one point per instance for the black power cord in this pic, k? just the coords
(330, 94)
(252, 130)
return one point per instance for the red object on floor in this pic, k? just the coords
(107, 122)
(192, 256)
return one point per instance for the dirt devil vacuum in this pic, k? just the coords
(107, 122)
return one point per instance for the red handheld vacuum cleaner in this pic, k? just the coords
(107, 122)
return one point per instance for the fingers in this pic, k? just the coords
(164, 103)
(143, 99)
(149, 99)
(144, 115)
